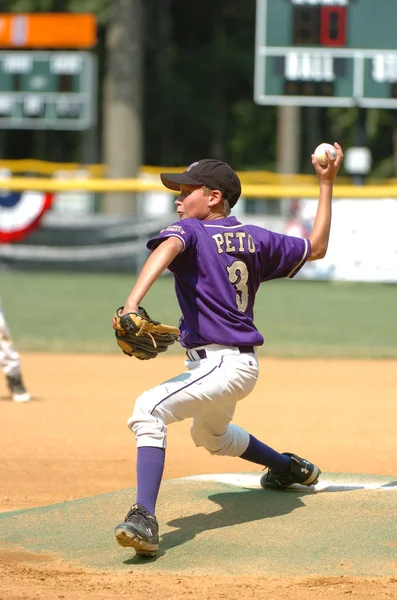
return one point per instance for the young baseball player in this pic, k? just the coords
(10, 363)
(218, 264)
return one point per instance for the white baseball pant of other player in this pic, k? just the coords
(10, 362)
(9, 357)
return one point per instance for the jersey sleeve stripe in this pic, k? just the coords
(302, 260)
(171, 234)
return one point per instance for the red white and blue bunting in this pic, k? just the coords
(21, 213)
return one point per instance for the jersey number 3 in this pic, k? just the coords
(238, 276)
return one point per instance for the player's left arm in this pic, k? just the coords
(158, 261)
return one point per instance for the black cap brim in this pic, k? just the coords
(173, 181)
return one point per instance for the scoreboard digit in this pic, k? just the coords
(333, 22)
(326, 53)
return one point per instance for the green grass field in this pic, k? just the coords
(60, 312)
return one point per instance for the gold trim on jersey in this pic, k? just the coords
(296, 267)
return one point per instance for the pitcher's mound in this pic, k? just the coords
(227, 524)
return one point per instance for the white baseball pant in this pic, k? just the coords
(9, 357)
(207, 393)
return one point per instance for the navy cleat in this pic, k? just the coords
(300, 471)
(140, 531)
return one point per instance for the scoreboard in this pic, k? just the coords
(47, 90)
(326, 53)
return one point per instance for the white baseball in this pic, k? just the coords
(321, 155)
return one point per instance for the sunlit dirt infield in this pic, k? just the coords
(71, 441)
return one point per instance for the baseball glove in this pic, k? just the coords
(138, 335)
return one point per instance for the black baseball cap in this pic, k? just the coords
(215, 174)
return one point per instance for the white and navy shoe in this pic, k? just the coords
(300, 471)
(140, 531)
(16, 386)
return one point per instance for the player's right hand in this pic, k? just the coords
(329, 172)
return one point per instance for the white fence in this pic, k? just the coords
(363, 241)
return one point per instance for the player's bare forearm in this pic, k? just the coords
(319, 237)
(157, 262)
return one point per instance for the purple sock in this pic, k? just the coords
(150, 466)
(259, 453)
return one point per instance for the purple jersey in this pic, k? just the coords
(218, 273)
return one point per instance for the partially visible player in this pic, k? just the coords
(10, 362)
(20, 214)
(218, 265)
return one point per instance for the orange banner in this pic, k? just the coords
(47, 30)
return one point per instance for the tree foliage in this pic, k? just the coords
(198, 87)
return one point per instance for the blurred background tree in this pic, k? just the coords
(197, 92)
